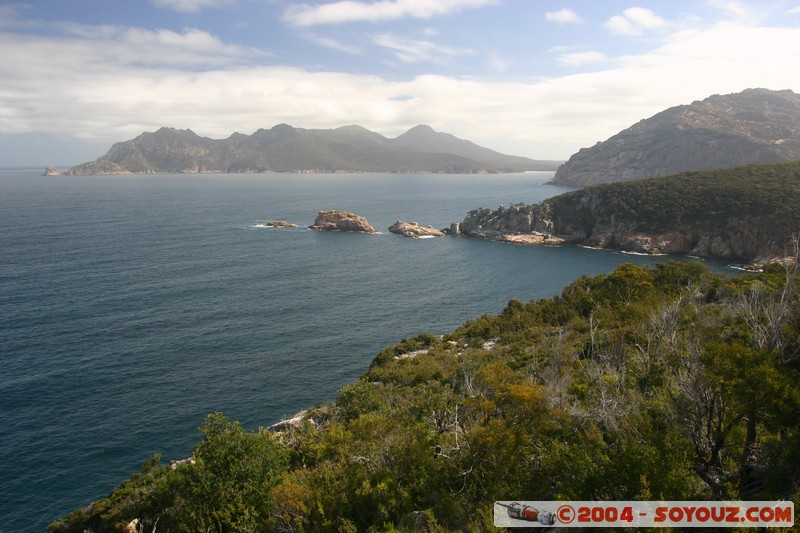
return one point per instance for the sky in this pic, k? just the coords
(536, 78)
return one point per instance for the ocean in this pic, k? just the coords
(132, 306)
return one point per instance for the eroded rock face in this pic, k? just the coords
(333, 220)
(51, 171)
(516, 219)
(414, 230)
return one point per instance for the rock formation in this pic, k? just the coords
(518, 224)
(51, 171)
(755, 126)
(414, 230)
(280, 224)
(341, 221)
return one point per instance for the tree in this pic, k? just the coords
(228, 487)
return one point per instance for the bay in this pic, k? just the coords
(132, 306)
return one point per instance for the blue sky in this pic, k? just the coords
(538, 78)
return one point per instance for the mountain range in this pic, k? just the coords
(756, 126)
(284, 148)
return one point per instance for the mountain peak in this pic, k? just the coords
(755, 126)
(284, 148)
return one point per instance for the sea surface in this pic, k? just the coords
(132, 306)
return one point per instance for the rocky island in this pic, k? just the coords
(333, 220)
(414, 230)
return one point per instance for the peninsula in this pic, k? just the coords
(284, 148)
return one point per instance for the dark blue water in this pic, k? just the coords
(130, 307)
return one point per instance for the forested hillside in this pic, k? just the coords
(746, 213)
(646, 383)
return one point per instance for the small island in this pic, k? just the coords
(414, 230)
(333, 220)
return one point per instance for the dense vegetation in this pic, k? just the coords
(703, 199)
(666, 382)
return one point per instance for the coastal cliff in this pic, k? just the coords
(748, 214)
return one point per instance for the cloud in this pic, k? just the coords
(189, 6)
(734, 9)
(109, 83)
(635, 21)
(562, 16)
(412, 51)
(578, 59)
(191, 48)
(384, 10)
(333, 44)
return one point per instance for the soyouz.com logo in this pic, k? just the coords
(643, 514)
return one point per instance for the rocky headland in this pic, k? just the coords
(746, 214)
(414, 230)
(333, 220)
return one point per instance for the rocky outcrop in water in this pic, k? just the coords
(755, 126)
(518, 224)
(333, 220)
(516, 219)
(279, 224)
(414, 230)
(51, 171)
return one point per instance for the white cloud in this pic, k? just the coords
(577, 59)
(189, 6)
(352, 11)
(111, 83)
(333, 44)
(191, 48)
(734, 9)
(795, 10)
(413, 51)
(635, 21)
(562, 16)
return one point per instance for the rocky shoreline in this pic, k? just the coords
(535, 225)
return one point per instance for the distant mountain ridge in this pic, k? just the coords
(284, 148)
(756, 126)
